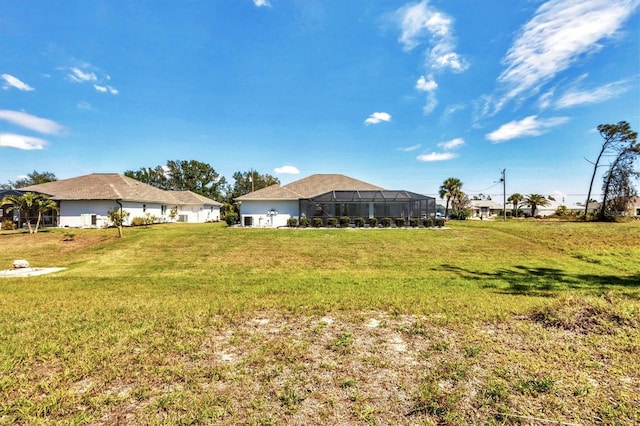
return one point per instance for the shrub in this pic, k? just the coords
(304, 222)
(146, 220)
(138, 221)
(459, 215)
(414, 223)
(69, 236)
(386, 222)
(318, 222)
(231, 219)
(8, 225)
(427, 222)
(332, 222)
(400, 222)
(359, 222)
(292, 222)
(344, 221)
(373, 222)
(439, 222)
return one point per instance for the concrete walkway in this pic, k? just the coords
(28, 272)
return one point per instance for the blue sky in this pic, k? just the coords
(402, 95)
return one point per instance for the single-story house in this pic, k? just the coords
(634, 206)
(486, 208)
(329, 195)
(84, 201)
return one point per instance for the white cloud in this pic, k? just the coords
(575, 97)
(31, 122)
(452, 144)
(288, 170)
(429, 86)
(410, 148)
(378, 117)
(419, 23)
(16, 83)
(436, 156)
(84, 105)
(262, 3)
(21, 142)
(529, 126)
(105, 89)
(425, 85)
(560, 33)
(80, 76)
(450, 110)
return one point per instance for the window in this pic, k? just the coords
(163, 210)
(637, 212)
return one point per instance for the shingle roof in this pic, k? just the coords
(188, 197)
(103, 186)
(309, 187)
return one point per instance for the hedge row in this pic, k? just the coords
(360, 222)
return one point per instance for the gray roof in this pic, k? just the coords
(309, 187)
(113, 186)
(188, 197)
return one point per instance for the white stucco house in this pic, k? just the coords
(329, 195)
(84, 201)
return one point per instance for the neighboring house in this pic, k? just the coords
(634, 206)
(85, 201)
(194, 207)
(552, 208)
(486, 208)
(329, 195)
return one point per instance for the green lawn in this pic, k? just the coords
(481, 322)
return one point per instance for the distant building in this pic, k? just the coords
(84, 201)
(330, 195)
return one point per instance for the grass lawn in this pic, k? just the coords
(521, 322)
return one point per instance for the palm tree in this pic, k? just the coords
(515, 199)
(23, 203)
(449, 188)
(535, 200)
(43, 206)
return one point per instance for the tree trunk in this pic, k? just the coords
(593, 177)
(35, 231)
(605, 195)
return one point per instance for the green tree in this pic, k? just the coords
(44, 205)
(183, 175)
(515, 199)
(617, 186)
(249, 181)
(24, 203)
(534, 201)
(449, 189)
(460, 204)
(617, 138)
(33, 178)
(151, 176)
(118, 217)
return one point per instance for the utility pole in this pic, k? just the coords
(504, 194)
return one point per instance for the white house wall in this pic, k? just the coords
(78, 214)
(137, 209)
(268, 213)
(198, 213)
(74, 213)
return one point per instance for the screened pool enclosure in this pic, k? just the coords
(369, 203)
